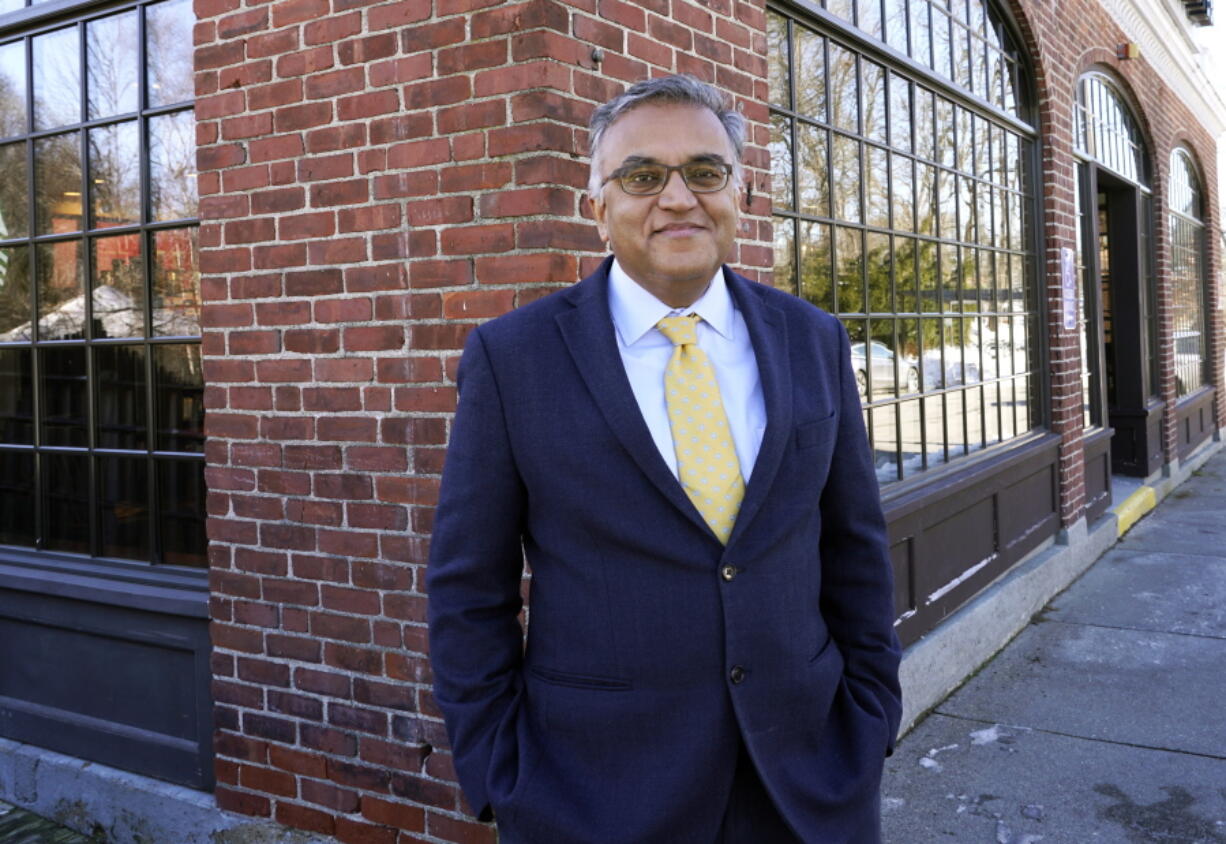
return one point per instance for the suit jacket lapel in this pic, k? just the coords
(768, 333)
(589, 335)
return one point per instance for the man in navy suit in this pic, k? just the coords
(700, 666)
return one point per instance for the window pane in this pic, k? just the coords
(57, 183)
(902, 197)
(880, 298)
(57, 79)
(118, 287)
(911, 438)
(841, 8)
(896, 24)
(810, 74)
(172, 166)
(781, 162)
(120, 386)
(123, 507)
(12, 88)
(874, 102)
(812, 173)
(904, 274)
(777, 55)
(877, 186)
(900, 112)
(921, 34)
(815, 258)
(15, 300)
(785, 255)
(885, 444)
(61, 301)
(844, 90)
(14, 187)
(114, 171)
(934, 430)
(181, 496)
(179, 395)
(845, 165)
(16, 498)
(868, 16)
(64, 395)
(65, 502)
(176, 283)
(849, 254)
(110, 64)
(16, 397)
(168, 30)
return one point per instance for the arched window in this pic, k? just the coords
(903, 194)
(1187, 273)
(1105, 129)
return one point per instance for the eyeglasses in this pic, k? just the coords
(650, 179)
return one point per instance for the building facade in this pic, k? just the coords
(241, 245)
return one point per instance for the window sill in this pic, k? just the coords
(117, 583)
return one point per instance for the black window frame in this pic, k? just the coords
(145, 584)
(1026, 123)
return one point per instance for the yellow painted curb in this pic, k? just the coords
(1133, 508)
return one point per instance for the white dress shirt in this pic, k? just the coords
(722, 335)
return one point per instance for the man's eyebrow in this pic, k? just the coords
(701, 158)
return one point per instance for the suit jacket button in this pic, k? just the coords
(728, 572)
(736, 675)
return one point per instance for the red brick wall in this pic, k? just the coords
(375, 179)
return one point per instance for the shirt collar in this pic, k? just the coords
(636, 312)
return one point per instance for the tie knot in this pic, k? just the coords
(682, 330)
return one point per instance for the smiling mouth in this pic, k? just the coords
(680, 229)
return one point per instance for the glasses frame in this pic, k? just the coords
(621, 172)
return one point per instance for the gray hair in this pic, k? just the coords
(679, 89)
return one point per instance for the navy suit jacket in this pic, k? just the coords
(621, 721)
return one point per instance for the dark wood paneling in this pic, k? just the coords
(1136, 448)
(957, 534)
(1194, 422)
(120, 685)
(1096, 448)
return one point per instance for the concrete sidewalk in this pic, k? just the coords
(1105, 719)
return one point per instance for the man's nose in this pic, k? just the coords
(676, 193)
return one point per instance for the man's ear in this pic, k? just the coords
(598, 211)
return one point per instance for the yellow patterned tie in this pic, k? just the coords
(706, 458)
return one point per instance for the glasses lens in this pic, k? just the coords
(704, 177)
(644, 179)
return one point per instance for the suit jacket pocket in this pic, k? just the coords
(578, 681)
(810, 434)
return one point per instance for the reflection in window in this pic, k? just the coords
(114, 174)
(111, 65)
(172, 166)
(57, 79)
(57, 183)
(101, 387)
(1188, 274)
(905, 219)
(12, 89)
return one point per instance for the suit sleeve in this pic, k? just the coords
(473, 584)
(857, 576)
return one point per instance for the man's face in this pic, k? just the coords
(673, 242)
